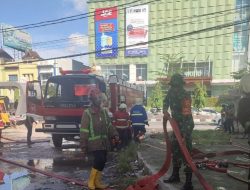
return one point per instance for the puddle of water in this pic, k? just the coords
(16, 180)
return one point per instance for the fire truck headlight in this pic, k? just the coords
(50, 118)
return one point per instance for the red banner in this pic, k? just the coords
(106, 13)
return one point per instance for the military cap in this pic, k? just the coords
(177, 80)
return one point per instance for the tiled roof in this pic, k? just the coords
(31, 55)
(5, 55)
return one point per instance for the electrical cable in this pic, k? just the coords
(149, 42)
(160, 24)
(34, 25)
(52, 23)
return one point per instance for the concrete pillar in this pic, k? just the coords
(132, 73)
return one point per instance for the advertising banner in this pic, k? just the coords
(106, 32)
(15, 38)
(137, 31)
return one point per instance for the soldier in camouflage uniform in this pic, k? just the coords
(179, 101)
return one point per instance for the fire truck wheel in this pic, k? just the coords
(57, 140)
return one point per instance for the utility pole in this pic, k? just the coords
(1, 38)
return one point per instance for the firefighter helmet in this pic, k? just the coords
(177, 80)
(123, 106)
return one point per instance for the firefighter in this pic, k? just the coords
(139, 119)
(179, 101)
(96, 129)
(121, 122)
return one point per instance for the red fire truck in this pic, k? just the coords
(65, 97)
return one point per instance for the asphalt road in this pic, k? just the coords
(66, 162)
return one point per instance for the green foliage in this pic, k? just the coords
(199, 97)
(210, 137)
(171, 65)
(125, 157)
(16, 94)
(51, 91)
(239, 74)
(212, 102)
(156, 98)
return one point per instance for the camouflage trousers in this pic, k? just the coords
(178, 157)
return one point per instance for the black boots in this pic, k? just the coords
(174, 178)
(188, 184)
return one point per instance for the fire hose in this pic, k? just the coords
(149, 182)
(187, 155)
(17, 141)
(76, 182)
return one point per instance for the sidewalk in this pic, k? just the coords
(153, 159)
(197, 118)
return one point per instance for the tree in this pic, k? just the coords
(199, 96)
(239, 74)
(172, 65)
(156, 98)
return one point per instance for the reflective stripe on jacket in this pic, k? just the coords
(138, 115)
(121, 119)
(96, 130)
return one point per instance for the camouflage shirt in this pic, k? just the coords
(179, 102)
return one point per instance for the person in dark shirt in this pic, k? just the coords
(29, 124)
(179, 101)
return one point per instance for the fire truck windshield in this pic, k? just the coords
(68, 92)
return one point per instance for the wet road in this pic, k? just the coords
(65, 162)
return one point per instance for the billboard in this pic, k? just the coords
(137, 31)
(15, 38)
(106, 32)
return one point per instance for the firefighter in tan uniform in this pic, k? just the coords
(96, 130)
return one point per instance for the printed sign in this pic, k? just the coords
(137, 31)
(15, 38)
(106, 32)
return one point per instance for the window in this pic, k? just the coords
(122, 71)
(45, 76)
(141, 72)
(13, 78)
(28, 77)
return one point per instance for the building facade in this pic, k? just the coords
(241, 35)
(198, 34)
(50, 68)
(30, 68)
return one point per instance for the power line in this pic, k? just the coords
(157, 24)
(87, 15)
(149, 42)
(62, 21)
(161, 24)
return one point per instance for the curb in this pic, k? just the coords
(195, 120)
(151, 170)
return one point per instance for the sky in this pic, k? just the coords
(22, 12)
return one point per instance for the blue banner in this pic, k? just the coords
(106, 39)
